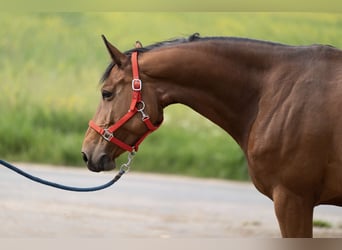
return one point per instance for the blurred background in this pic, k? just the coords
(51, 63)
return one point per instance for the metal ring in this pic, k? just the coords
(142, 103)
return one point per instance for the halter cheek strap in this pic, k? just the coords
(137, 106)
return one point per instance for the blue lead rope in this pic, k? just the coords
(63, 187)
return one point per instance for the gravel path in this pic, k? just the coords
(139, 206)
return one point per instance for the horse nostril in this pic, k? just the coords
(85, 157)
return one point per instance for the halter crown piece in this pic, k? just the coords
(137, 106)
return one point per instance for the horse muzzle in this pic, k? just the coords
(100, 163)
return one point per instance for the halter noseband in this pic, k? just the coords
(137, 105)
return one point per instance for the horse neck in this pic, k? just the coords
(222, 84)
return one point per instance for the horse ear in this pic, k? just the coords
(138, 45)
(116, 55)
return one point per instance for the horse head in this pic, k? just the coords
(127, 113)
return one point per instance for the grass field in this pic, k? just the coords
(50, 65)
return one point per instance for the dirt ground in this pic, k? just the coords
(140, 206)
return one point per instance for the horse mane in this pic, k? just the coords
(170, 42)
(192, 38)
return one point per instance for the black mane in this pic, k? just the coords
(166, 43)
(193, 38)
(171, 42)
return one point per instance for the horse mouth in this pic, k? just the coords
(104, 163)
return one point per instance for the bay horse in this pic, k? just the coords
(280, 103)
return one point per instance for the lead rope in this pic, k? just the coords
(123, 169)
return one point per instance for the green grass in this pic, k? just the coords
(322, 224)
(50, 64)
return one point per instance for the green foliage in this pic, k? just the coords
(192, 146)
(321, 224)
(50, 64)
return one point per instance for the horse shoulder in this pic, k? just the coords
(292, 135)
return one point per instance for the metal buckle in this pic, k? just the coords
(136, 84)
(107, 135)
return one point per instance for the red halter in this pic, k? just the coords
(137, 105)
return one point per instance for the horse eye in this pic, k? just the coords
(106, 94)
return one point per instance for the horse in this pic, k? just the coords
(279, 102)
